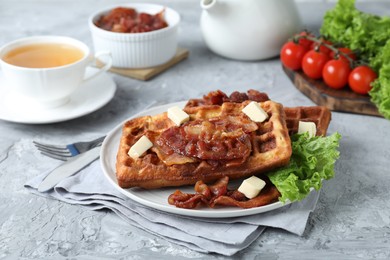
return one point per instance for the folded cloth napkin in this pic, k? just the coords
(226, 236)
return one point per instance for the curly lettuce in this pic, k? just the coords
(380, 92)
(369, 35)
(312, 161)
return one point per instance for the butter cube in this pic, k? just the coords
(177, 115)
(255, 112)
(251, 187)
(140, 147)
(309, 127)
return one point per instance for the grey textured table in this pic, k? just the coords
(352, 217)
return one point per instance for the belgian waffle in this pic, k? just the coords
(317, 114)
(271, 148)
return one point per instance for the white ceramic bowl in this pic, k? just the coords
(138, 50)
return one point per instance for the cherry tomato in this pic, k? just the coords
(322, 48)
(335, 73)
(346, 51)
(313, 62)
(360, 79)
(291, 55)
(305, 42)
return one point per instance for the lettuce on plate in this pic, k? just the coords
(369, 35)
(312, 161)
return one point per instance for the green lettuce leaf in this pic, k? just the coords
(312, 161)
(380, 92)
(362, 32)
(369, 35)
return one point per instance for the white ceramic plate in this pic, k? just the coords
(158, 198)
(89, 97)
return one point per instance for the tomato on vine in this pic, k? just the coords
(360, 79)
(321, 46)
(346, 51)
(319, 58)
(335, 73)
(313, 62)
(291, 55)
(304, 41)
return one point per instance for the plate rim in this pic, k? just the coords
(225, 212)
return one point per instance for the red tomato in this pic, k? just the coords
(360, 79)
(291, 55)
(322, 48)
(335, 73)
(305, 42)
(313, 62)
(346, 51)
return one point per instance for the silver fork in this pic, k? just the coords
(65, 152)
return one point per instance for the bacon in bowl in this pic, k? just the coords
(147, 39)
(128, 20)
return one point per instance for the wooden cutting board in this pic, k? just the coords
(343, 100)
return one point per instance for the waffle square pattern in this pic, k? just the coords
(217, 141)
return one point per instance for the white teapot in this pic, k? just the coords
(248, 29)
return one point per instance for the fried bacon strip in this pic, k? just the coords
(218, 97)
(218, 194)
(214, 139)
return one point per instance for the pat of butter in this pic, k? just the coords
(177, 115)
(251, 187)
(254, 111)
(140, 147)
(309, 127)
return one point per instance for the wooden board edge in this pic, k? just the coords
(356, 106)
(148, 73)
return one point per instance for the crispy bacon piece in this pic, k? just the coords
(237, 97)
(219, 188)
(184, 200)
(116, 18)
(225, 138)
(257, 96)
(218, 194)
(267, 195)
(214, 98)
(128, 20)
(218, 97)
(204, 194)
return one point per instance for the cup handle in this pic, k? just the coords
(105, 68)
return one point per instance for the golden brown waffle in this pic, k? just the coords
(270, 149)
(318, 114)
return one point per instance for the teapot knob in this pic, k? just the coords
(207, 4)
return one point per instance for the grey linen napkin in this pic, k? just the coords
(226, 236)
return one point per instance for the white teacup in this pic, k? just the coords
(47, 86)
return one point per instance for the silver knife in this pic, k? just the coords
(69, 168)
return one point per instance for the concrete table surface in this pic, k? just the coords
(352, 217)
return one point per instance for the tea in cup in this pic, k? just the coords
(47, 69)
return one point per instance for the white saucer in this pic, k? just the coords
(89, 97)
